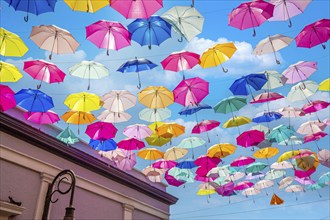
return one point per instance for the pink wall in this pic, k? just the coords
(140, 215)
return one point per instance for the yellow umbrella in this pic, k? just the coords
(156, 97)
(325, 85)
(156, 140)
(266, 152)
(175, 153)
(217, 55)
(87, 5)
(154, 126)
(205, 192)
(11, 45)
(288, 155)
(236, 121)
(221, 150)
(169, 130)
(150, 154)
(78, 118)
(9, 72)
(83, 101)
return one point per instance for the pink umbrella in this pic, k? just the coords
(131, 144)
(303, 153)
(311, 127)
(126, 162)
(299, 71)
(44, 71)
(206, 161)
(202, 171)
(180, 61)
(138, 131)
(303, 174)
(251, 14)
(191, 91)
(242, 161)
(205, 126)
(203, 179)
(250, 138)
(108, 35)
(314, 137)
(326, 121)
(305, 181)
(101, 130)
(315, 106)
(324, 157)
(226, 189)
(314, 34)
(243, 185)
(172, 181)
(136, 8)
(48, 117)
(266, 97)
(164, 164)
(7, 98)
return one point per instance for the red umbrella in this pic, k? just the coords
(242, 161)
(205, 126)
(250, 138)
(131, 144)
(266, 97)
(101, 130)
(315, 106)
(7, 98)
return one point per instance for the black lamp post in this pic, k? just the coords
(63, 175)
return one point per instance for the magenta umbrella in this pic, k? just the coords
(136, 8)
(303, 174)
(314, 34)
(206, 161)
(109, 35)
(191, 91)
(48, 117)
(131, 144)
(164, 164)
(205, 126)
(172, 181)
(203, 171)
(243, 185)
(44, 71)
(180, 61)
(250, 15)
(127, 161)
(226, 190)
(138, 131)
(299, 71)
(266, 97)
(315, 106)
(314, 137)
(242, 161)
(7, 98)
(250, 138)
(305, 181)
(101, 130)
(203, 179)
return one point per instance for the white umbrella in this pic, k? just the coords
(302, 91)
(311, 127)
(114, 117)
(286, 182)
(274, 79)
(281, 165)
(155, 114)
(118, 100)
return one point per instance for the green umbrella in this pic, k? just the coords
(315, 187)
(191, 142)
(182, 174)
(230, 104)
(293, 140)
(67, 136)
(280, 133)
(255, 167)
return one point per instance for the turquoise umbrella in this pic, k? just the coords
(67, 136)
(155, 114)
(274, 174)
(280, 133)
(324, 180)
(182, 174)
(191, 143)
(230, 105)
(255, 167)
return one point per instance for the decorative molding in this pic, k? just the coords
(127, 211)
(7, 210)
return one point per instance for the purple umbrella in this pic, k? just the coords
(299, 71)
(164, 164)
(172, 181)
(324, 157)
(7, 99)
(226, 190)
(305, 181)
(127, 161)
(48, 117)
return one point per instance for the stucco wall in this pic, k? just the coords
(140, 215)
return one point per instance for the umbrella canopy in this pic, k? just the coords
(78, 117)
(266, 97)
(136, 8)
(255, 167)
(267, 152)
(83, 101)
(114, 117)
(205, 161)
(311, 127)
(262, 184)
(103, 145)
(101, 130)
(169, 130)
(33, 100)
(156, 97)
(314, 137)
(324, 180)
(155, 114)
(250, 15)
(257, 175)
(280, 133)
(217, 55)
(325, 85)
(236, 121)
(7, 98)
(108, 35)
(261, 127)
(286, 182)
(11, 44)
(90, 6)
(324, 157)
(126, 162)
(164, 164)
(293, 140)
(281, 165)
(48, 117)
(185, 20)
(182, 174)
(221, 150)
(9, 73)
(138, 131)
(288, 155)
(192, 109)
(299, 71)
(205, 126)
(271, 44)
(250, 138)
(226, 189)
(315, 106)
(156, 140)
(67, 136)
(53, 39)
(242, 161)
(175, 153)
(191, 142)
(294, 188)
(172, 180)
(151, 31)
(274, 174)
(150, 154)
(153, 174)
(276, 200)
(274, 79)
(131, 144)
(118, 100)
(186, 164)
(242, 86)
(251, 191)
(291, 112)
(266, 117)
(230, 104)
(243, 185)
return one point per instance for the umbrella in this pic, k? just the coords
(153, 174)
(101, 130)
(327, 121)
(221, 150)
(7, 98)
(276, 200)
(274, 174)
(33, 100)
(299, 71)
(221, 172)
(114, 117)
(255, 167)
(250, 138)
(302, 91)
(243, 185)
(291, 112)
(262, 184)
(191, 91)
(91, 6)
(267, 152)
(103, 145)
(154, 114)
(324, 157)
(191, 143)
(151, 31)
(286, 182)
(154, 127)
(294, 189)
(204, 126)
(150, 154)
(83, 101)
(11, 44)
(325, 85)
(257, 175)
(205, 161)
(305, 181)
(288, 155)
(156, 97)
(230, 104)
(266, 117)
(185, 20)
(78, 117)
(192, 109)
(180, 61)
(156, 140)
(315, 106)
(314, 137)
(242, 161)
(236, 121)
(109, 35)
(281, 165)
(266, 97)
(261, 127)
(293, 140)
(136, 8)
(271, 44)
(164, 164)
(175, 153)
(274, 79)
(280, 133)
(182, 174)
(186, 164)
(314, 34)
(48, 117)
(131, 144)
(311, 127)
(44, 71)
(67, 136)
(250, 15)
(169, 130)
(226, 189)
(53, 39)
(324, 180)
(126, 162)
(217, 55)
(286, 9)
(138, 131)
(9, 73)
(118, 100)
(89, 70)
(242, 86)
(32, 6)
(251, 191)
(172, 181)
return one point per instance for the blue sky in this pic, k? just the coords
(216, 29)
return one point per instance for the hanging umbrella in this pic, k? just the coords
(326, 121)
(101, 130)
(280, 133)
(276, 200)
(324, 157)
(299, 71)
(251, 191)
(172, 181)
(138, 131)
(230, 104)
(109, 35)
(315, 106)
(255, 167)
(293, 140)
(263, 184)
(305, 181)
(191, 143)
(250, 15)
(221, 172)
(127, 162)
(192, 109)
(44, 71)
(243, 185)
(155, 114)
(32, 6)
(103, 145)
(271, 44)
(302, 91)
(118, 100)
(90, 6)
(288, 155)
(67, 136)
(281, 165)
(186, 164)
(291, 112)
(242, 86)
(9, 73)
(182, 174)
(136, 8)
(314, 137)
(267, 152)
(265, 143)
(11, 44)
(205, 161)
(311, 127)
(226, 189)
(114, 117)
(156, 97)
(325, 85)
(221, 150)
(191, 91)
(185, 20)
(314, 34)
(274, 79)
(83, 101)
(236, 121)
(266, 97)
(274, 174)
(324, 180)
(242, 161)
(150, 154)
(257, 175)
(261, 127)
(286, 9)
(218, 54)
(33, 100)
(294, 189)
(175, 153)
(131, 144)
(154, 126)
(78, 117)
(205, 126)
(7, 98)
(48, 117)
(266, 117)
(53, 39)
(169, 130)
(286, 182)
(89, 70)
(250, 138)
(156, 140)
(164, 164)
(180, 61)
(153, 174)
(151, 31)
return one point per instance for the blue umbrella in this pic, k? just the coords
(33, 100)
(36, 7)
(242, 86)
(137, 65)
(151, 31)
(267, 117)
(106, 145)
(191, 109)
(187, 164)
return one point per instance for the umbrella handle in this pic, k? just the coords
(278, 62)
(39, 86)
(254, 32)
(324, 47)
(290, 23)
(181, 39)
(50, 56)
(224, 70)
(89, 86)
(26, 18)
(149, 46)
(107, 52)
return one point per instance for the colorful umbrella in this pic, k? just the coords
(230, 104)
(90, 6)
(48, 117)
(267, 152)
(243, 185)
(286, 182)
(242, 86)
(136, 8)
(150, 154)
(262, 184)
(172, 180)
(138, 131)
(221, 150)
(7, 98)
(291, 112)
(299, 71)
(204, 126)
(182, 174)
(191, 143)
(274, 174)
(255, 167)
(236, 121)
(288, 155)
(311, 127)
(266, 97)
(274, 79)
(315, 106)
(9, 73)
(266, 117)
(83, 101)
(314, 137)
(33, 100)
(302, 91)
(242, 161)
(305, 181)
(261, 127)
(109, 35)
(126, 162)
(325, 85)
(324, 180)
(103, 145)
(251, 191)
(324, 157)
(131, 144)
(205, 161)
(175, 153)
(156, 140)
(192, 109)
(156, 97)
(169, 130)
(257, 175)
(250, 138)
(281, 165)
(153, 174)
(280, 133)
(53, 39)
(67, 136)
(11, 44)
(78, 117)
(114, 117)
(294, 189)
(118, 100)
(164, 164)
(101, 130)
(186, 164)
(293, 140)
(154, 114)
